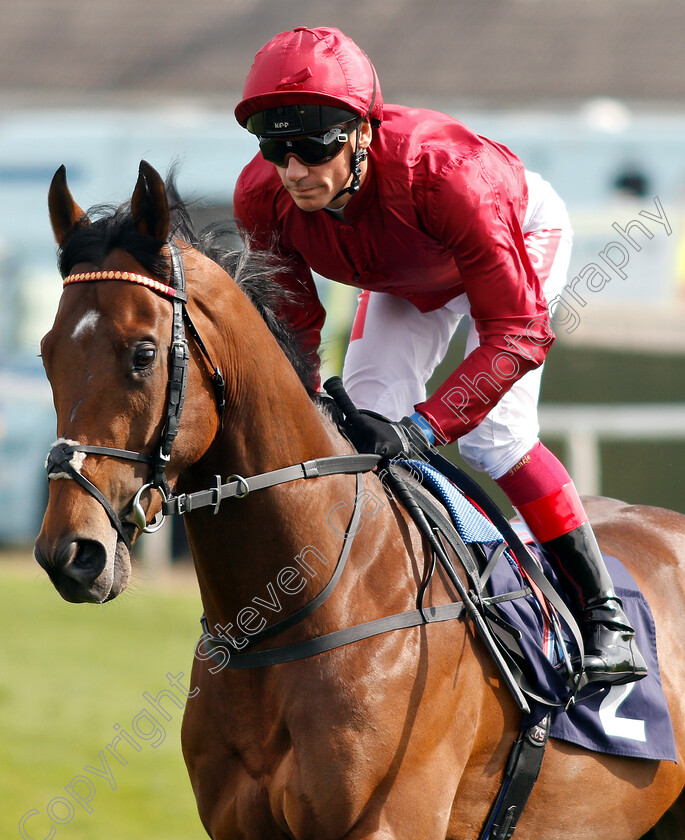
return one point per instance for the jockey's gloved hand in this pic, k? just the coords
(375, 434)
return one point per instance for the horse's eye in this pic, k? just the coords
(144, 356)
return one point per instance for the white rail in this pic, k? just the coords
(584, 427)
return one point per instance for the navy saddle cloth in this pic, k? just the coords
(628, 720)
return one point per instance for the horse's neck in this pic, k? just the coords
(270, 423)
(242, 553)
(275, 425)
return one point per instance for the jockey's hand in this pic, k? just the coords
(375, 434)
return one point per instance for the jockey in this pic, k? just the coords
(431, 223)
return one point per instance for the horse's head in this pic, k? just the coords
(117, 359)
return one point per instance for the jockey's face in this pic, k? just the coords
(314, 187)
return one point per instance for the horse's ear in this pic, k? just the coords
(149, 204)
(65, 214)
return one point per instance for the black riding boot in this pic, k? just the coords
(611, 652)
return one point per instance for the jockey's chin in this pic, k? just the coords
(315, 187)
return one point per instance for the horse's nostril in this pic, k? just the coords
(87, 561)
(77, 567)
(54, 558)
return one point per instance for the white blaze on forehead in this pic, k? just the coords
(76, 460)
(87, 323)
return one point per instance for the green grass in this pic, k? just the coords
(68, 674)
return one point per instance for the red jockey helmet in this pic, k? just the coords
(320, 67)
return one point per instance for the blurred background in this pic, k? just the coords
(590, 93)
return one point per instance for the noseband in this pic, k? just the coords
(60, 458)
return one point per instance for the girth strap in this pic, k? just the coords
(520, 775)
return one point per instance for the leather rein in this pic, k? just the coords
(60, 461)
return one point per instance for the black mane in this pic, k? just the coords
(256, 272)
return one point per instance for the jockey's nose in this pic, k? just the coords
(295, 169)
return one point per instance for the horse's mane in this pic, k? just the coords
(255, 271)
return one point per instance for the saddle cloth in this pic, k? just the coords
(629, 720)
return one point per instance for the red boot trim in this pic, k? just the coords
(554, 515)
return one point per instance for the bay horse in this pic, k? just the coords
(402, 736)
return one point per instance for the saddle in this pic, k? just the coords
(533, 635)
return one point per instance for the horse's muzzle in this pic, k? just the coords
(79, 569)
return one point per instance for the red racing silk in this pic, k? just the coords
(440, 213)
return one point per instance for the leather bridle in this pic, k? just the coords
(60, 458)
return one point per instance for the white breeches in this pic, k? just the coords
(387, 367)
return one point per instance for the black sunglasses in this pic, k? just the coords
(312, 150)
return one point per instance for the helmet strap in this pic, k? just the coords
(357, 157)
(359, 154)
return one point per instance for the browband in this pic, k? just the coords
(130, 277)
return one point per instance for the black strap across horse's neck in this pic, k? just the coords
(223, 654)
(229, 652)
(238, 487)
(315, 603)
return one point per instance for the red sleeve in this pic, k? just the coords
(303, 310)
(474, 209)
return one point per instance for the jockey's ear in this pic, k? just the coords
(149, 204)
(365, 135)
(65, 214)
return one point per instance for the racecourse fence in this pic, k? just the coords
(583, 428)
